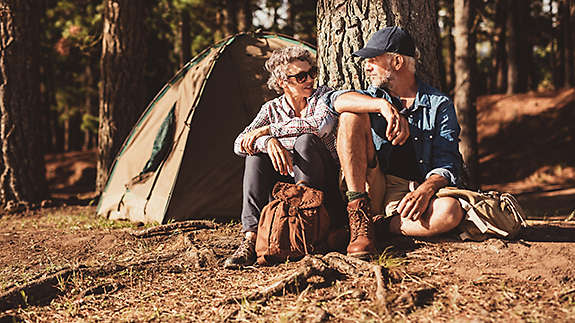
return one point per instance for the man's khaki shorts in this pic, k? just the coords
(385, 191)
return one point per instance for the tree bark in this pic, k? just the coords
(345, 26)
(464, 97)
(122, 66)
(23, 178)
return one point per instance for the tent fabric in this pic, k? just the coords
(162, 143)
(210, 100)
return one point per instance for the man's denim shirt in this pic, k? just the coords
(433, 127)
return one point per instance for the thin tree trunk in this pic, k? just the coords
(559, 62)
(67, 129)
(22, 180)
(121, 66)
(450, 58)
(566, 26)
(500, 57)
(245, 15)
(511, 48)
(571, 42)
(185, 39)
(524, 48)
(464, 98)
(345, 26)
(230, 17)
(88, 104)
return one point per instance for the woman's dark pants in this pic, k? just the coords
(312, 163)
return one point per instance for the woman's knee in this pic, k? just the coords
(307, 141)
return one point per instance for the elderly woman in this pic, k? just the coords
(292, 138)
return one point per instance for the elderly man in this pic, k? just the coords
(398, 154)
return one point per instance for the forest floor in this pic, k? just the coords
(63, 263)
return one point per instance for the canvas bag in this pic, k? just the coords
(487, 213)
(293, 224)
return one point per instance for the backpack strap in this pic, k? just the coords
(516, 209)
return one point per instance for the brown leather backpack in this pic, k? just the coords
(294, 224)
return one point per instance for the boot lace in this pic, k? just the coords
(245, 250)
(360, 221)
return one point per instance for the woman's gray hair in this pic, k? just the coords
(279, 60)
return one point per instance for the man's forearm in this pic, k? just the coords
(358, 103)
(433, 183)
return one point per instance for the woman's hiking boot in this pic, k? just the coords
(245, 255)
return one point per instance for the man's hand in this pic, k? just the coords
(414, 204)
(281, 157)
(397, 130)
(248, 140)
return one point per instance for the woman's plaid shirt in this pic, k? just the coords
(286, 127)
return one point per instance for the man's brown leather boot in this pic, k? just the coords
(361, 242)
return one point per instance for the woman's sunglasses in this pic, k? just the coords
(302, 76)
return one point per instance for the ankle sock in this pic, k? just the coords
(355, 195)
(251, 235)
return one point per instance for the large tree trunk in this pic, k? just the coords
(22, 180)
(345, 26)
(122, 66)
(464, 97)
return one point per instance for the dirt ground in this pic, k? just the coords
(63, 264)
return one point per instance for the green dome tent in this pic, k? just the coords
(178, 162)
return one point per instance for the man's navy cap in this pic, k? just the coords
(388, 40)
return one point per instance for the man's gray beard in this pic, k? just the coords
(385, 83)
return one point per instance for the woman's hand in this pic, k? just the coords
(248, 140)
(281, 157)
(397, 130)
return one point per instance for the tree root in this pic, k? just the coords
(381, 291)
(329, 266)
(166, 229)
(42, 290)
(347, 265)
(313, 266)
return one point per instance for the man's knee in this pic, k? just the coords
(349, 120)
(449, 212)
